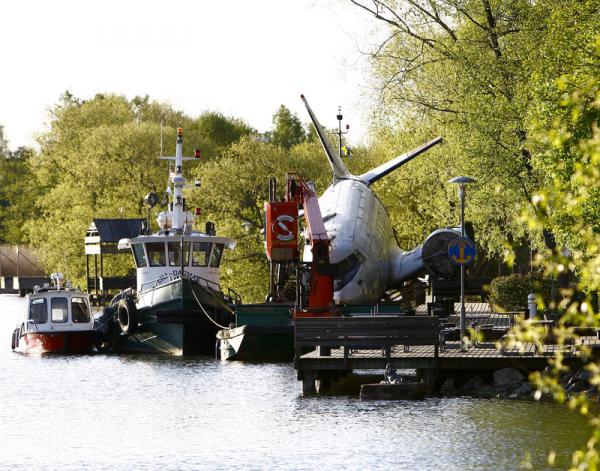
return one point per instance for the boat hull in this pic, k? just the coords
(178, 318)
(57, 342)
(257, 343)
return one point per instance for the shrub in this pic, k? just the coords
(510, 292)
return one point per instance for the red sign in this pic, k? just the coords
(281, 231)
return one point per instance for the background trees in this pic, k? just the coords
(480, 73)
(98, 159)
(287, 129)
(17, 191)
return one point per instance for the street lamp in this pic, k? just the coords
(462, 182)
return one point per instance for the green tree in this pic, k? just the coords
(99, 159)
(464, 70)
(18, 189)
(220, 130)
(287, 129)
(572, 146)
(238, 207)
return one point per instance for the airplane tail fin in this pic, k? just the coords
(339, 167)
(379, 172)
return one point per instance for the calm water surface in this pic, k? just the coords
(155, 412)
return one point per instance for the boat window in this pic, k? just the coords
(200, 254)
(215, 255)
(139, 255)
(174, 250)
(38, 311)
(156, 254)
(59, 309)
(79, 310)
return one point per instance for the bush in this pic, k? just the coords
(510, 292)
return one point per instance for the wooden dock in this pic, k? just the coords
(433, 361)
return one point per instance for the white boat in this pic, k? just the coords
(56, 319)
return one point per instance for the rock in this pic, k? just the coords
(474, 384)
(583, 375)
(507, 377)
(592, 395)
(487, 391)
(577, 386)
(523, 390)
(448, 387)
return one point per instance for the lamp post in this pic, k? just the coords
(462, 182)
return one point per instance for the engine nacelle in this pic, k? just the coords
(431, 257)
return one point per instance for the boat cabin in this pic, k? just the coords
(158, 258)
(55, 309)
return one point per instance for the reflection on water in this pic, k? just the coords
(158, 412)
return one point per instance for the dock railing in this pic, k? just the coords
(354, 333)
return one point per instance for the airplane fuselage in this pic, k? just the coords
(363, 249)
(362, 240)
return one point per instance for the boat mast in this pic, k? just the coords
(178, 182)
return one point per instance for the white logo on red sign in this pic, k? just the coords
(280, 228)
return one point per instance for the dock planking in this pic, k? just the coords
(484, 356)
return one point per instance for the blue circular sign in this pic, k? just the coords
(462, 251)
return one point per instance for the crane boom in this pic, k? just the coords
(318, 278)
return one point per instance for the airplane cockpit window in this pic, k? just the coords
(346, 270)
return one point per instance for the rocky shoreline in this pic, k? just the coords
(506, 383)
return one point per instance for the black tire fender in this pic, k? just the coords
(15, 339)
(127, 316)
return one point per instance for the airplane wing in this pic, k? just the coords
(379, 172)
(338, 166)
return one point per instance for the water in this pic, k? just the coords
(156, 412)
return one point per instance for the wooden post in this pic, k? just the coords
(102, 269)
(323, 383)
(430, 377)
(95, 274)
(324, 351)
(308, 383)
(87, 272)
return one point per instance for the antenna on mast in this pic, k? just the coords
(342, 150)
(161, 137)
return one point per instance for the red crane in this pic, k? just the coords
(282, 244)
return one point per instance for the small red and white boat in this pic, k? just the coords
(56, 319)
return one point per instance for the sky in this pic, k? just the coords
(239, 57)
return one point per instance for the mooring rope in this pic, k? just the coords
(206, 313)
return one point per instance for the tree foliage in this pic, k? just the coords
(287, 129)
(472, 72)
(238, 206)
(18, 189)
(99, 159)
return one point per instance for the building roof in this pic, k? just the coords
(112, 230)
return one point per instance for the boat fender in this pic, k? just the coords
(15, 339)
(105, 320)
(127, 316)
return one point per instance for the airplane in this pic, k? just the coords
(363, 248)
